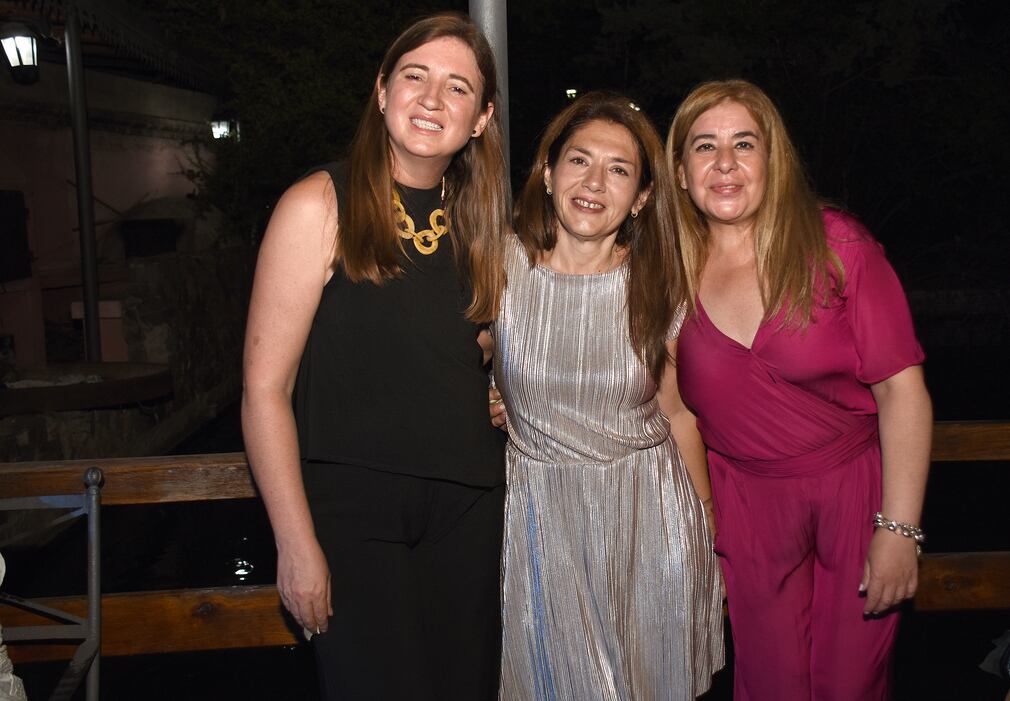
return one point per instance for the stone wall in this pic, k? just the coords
(186, 310)
(142, 144)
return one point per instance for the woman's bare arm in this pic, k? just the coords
(292, 269)
(905, 414)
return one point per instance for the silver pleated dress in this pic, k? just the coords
(610, 585)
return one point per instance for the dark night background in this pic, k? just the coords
(900, 110)
(898, 107)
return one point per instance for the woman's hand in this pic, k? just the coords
(496, 407)
(303, 580)
(891, 572)
(486, 342)
(714, 529)
(710, 517)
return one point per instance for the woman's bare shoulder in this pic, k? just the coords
(314, 192)
(307, 209)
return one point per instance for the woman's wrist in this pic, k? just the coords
(907, 530)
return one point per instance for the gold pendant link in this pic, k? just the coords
(426, 242)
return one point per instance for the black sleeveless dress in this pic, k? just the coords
(391, 378)
(404, 475)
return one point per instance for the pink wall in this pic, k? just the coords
(138, 154)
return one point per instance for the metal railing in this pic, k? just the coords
(85, 659)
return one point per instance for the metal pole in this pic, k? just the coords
(491, 16)
(93, 480)
(82, 167)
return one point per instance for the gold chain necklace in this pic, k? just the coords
(426, 242)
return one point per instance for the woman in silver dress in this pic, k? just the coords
(610, 584)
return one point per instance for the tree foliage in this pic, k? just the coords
(298, 74)
(893, 104)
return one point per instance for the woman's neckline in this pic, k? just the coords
(408, 190)
(613, 271)
(619, 253)
(702, 312)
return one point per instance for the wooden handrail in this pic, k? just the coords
(187, 620)
(226, 475)
(964, 581)
(251, 616)
(136, 480)
(181, 620)
(964, 441)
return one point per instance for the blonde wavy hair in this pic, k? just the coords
(796, 269)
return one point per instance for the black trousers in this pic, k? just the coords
(415, 568)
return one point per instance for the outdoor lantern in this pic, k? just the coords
(223, 128)
(21, 50)
(220, 128)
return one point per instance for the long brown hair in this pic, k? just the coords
(476, 189)
(655, 286)
(796, 269)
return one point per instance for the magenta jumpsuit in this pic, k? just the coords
(794, 454)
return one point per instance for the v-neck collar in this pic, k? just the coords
(729, 339)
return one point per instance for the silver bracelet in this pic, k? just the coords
(905, 529)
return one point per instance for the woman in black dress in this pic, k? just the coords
(364, 404)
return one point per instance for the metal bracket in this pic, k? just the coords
(89, 630)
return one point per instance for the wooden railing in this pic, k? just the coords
(250, 616)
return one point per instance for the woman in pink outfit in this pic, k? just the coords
(800, 361)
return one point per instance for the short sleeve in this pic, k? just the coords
(875, 303)
(677, 323)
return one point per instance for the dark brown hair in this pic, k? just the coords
(655, 287)
(476, 194)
